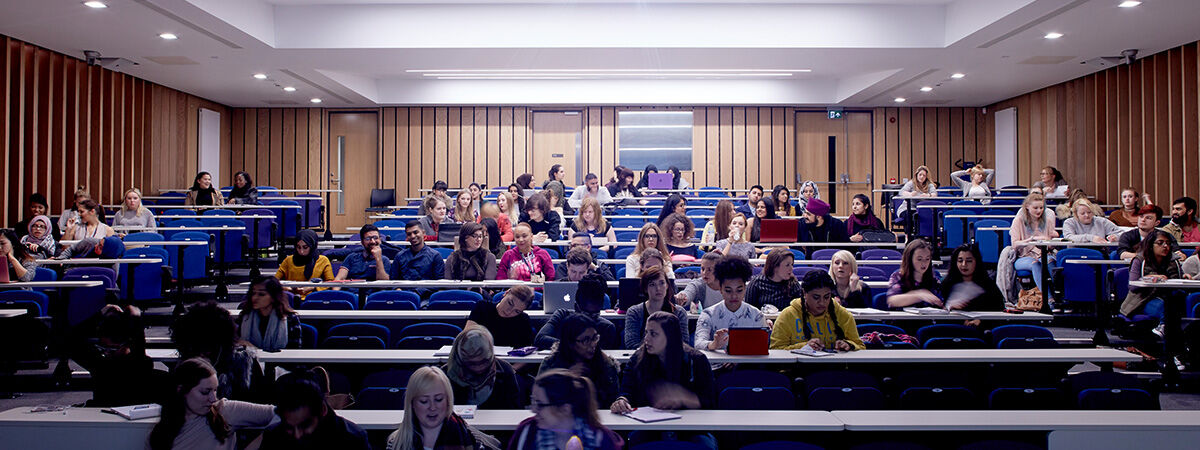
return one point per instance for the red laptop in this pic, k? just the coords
(778, 230)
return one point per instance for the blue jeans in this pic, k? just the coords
(1156, 308)
(1033, 265)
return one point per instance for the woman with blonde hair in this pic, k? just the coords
(850, 291)
(1034, 222)
(977, 186)
(464, 208)
(650, 237)
(737, 242)
(477, 376)
(133, 213)
(429, 419)
(507, 203)
(591, 221)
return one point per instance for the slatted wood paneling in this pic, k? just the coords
(67, 124)
(938, 138)
(1134, 125)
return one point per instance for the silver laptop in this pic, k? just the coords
(558, 295)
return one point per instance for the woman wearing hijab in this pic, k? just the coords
(306, 264)
(39, 242)
(244, 192)
(643, 184)
(203, 192)
(477, 376)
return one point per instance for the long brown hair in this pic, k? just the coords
(594, 205)
(648, 276)
(721, 218)
(908, 268)
(564, 387)
(662, 242)
(689, 228)
(670, 367)
(921, 187)
(185, 377)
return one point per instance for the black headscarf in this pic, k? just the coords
(308, 261)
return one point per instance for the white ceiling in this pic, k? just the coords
(698, 52)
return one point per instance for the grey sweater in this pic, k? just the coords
(1101, 227)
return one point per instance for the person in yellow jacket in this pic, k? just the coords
(305, 265)
(815, 319)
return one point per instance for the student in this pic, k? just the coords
(675, 204)
(433, 218)
(470, 261)
(418, 261)
(916, 283)
(1148, 218)
(975, 188)
(617, 170)
(464, 208)
(589, 298)
(524, 182)
(679, 232)
(266, 321)
(305, 264)
(764, 209)
(776, 285)
(37, 207)
(1183, 226)
(1065, 210)
(429, 420)
(1131, 203)
(368, 264)
(494, 245)
(554, 196)
(17, 260)
(819, 226)
(207, 331)
(862, 218)
(196, 416)
(650, 237)
(717, 228)
(590, 188)
(752, 197)
(525, 261)
(306, 421)
(439, 192)
(507, 203)
(544, 224)
(592, 222)
(1088, 226)
(705, 291)
(490, 210)
(712, 330)
(71, 213)
(580, 262)
(506, 320)
(666, 373)
(783, 199)
(121, 372)
(1034, 222)
(919, 186)
(105, 248)
(203, 192)
(38, 240)
(656, 289)
(678, 183)
(815, 320)
(581, 355)
(1153, 264)
(652, 258)
(476, 197)
(243, 192)
(643, 184)
(89, 224)
(967, 285)
(737, 243)
(133, 214)
(518, 196)
(564, 408)
(477, 376)
(849, 290)
(557, 173)
(1052, 183)
(624, 191)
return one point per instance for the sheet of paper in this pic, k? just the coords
(648, 415)
(809, 351)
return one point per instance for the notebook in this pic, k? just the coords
(748, 341)
(650, 414)
(136, 412)
(558, 295)
(778, 230)
(660, 181)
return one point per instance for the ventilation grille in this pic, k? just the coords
(280, 102)
(1046, 60)
(172, 60)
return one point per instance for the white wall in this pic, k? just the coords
(210, 145)
(1006, 147)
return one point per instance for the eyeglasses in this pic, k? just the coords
(1161, 242)
(534, 404)
(476, 235)
(651, 236)
(588, 340)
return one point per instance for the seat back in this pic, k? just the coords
(144, 236)
(393, 300)
(925, 217)
(1116, 398)
(864, 328)
(148, 277)
(387, 378)
(1031, 398)
(392, 228)
(824, 253)
(353, 343)
(86, 302)
(195, 257)
(347, 296)
(180, 223)
(856, 398)
(383, 398)
(288, 219)
(310, 210)
(1019, 331)
(868, 273)
(231, 241)
(336, 305)
(753, 378)
(456, 294)
(756, 398)
(990, 241)
(308, 336)
(423, 342)
(954, 227)
(1118, 282)
(34, 303)
(937, 398)
(218, 212)
(430, 329)
(1079, 280)
(881, 254)
(360, 329)
(261, 231)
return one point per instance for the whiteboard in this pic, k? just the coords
(210, 145)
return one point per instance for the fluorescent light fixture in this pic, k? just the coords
(926, 88)
(957, 75)
(260, 76)
(1124, 4)
(900, 100)
(1053, 35)
(315, 100)
(540, 75)
(289, 89)
(101, 5)
(168, 36)
(574, 71)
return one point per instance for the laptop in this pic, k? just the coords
(661, 181)
(778, 230)
(629, 291)
(448, 232)
(748, 341)
(558, 295)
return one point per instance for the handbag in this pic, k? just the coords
(1030, 300)
(335, 401)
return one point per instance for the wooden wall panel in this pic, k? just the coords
(1131, 125)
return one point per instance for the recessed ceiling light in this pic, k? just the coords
(1124, 4)
(315, 100)
(957, 76)
(1053, 35)
(900, 99)
(168, 36)
(926, 88)
(100, 5)
(289, 89)
(260, 76)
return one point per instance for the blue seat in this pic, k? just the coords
(451, 305)
(328, 305)
(232, 242)
(35, 303)
(219, 212)
(456, 294)
(880, 254)
(147, 277)
(879, 301)
(946, 335)
(393, 300)
(308, 336)
(1031, 398)
(181, 223)
(824, 253)
(289, 219)
(800, 271)
(623, 252)
(1193, 304)
(144, 236)
(687, 272)
(430, 329)
(989, 242)
(864, 328)
(953, 227)
(310, 209)
(394, 231)
(782, 445)
(1116, 398)
(627, 212)
(797, 254)
(756, 398)
(195, 257)
(925, 217)
(842, 389)
(360, 329)
(380, 398)
(753, 378)
(949, 191)
(87, 302)
(868, 273)
(1078, 280)
(628, 223)
(387, 378)
(353, 343)
(928, 398)
(699, 217)
(446, 251)
(423, 342)
(261, 232)
(1019, 331)
(179, 212)
(620, 272)
(626, 235)
(966, 203)
(1013, 190)
(44, 274)
(331, 295)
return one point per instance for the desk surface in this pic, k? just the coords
(391, 356)
(692, 420)
(540, 315)
(161, 243)
(1018, 420)
(1177, 284)
(8, 312)
(991, 355)
(204, 217)
(51, 284)
(97, 261)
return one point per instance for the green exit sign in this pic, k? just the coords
(834, 113)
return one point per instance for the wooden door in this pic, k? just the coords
(836, 154)
(353, 156)
(556, 140)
